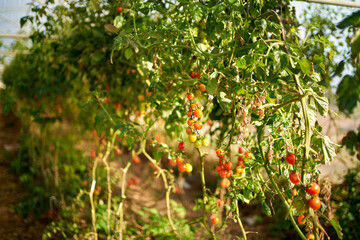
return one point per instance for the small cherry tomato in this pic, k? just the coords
(189, 167)
(198, 143)
(291, 159)
(179, 161)
(190, 96)
(301, 219)
(190, 122)
(314, 203)
(239, 169)
(202, 87)
(241, 163)
(310, 236)
(119, 9)
(215, 220)
(182, 167)
(294, 178)
(248, 155)
(193, 107)
(219, 168)
(241, 150)
(313, 189)
(225, 183)
(228, 166)
(294, 192)
(198, 125)
(136, 159)
(197, 93)
(220, 152)
(188, 131)
(181, 146)
(229, 173)
(192, 138)
(189, 114)
(198, 113)
(141, 97)
(223, 173)
(205, 142)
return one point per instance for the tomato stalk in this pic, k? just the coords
(120, 211)
(205, 200)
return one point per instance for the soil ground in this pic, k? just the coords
(12, 226)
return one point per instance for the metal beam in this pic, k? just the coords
(335, 2)
(14, 35)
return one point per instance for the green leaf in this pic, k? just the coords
(305, 66)
(130, 142)
(328, 149)
(337, 228)
(241, 63)
(266, 209)
(119, 21)
(224, 102)
(128, 53)
(299, 204)
(355, 44)
(352, 20)
(348, 93)
(197, 11)
(321, 103)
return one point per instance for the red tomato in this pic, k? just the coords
(172, 163)
(295, 177)
(182, 167)
(220, 152)
(313, 189)
(190, 122)
(218, 168)
(136, 159)
(215, 220)
(223, 173)
(241, 163)
(188, 131)
(314, 203)
(190, 96)
(229, 174)
(181, 146)
(179, 161)
(220, 202)
(189, 114)
(119, 9)
(301, 219)
(228, 166)
(241, 150)
(291, 159)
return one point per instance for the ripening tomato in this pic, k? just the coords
(310, 236)
(229, 173)
(205, 142)
(239, 169)
(181, 146)
(248, 155)
(189, 114)
(192, 138)
(198, 125)
(220, 152)
(198, 143)
(136, 159)
(314, 203)
(295, 178)
(294, 192)
(193, 107)
(189, 167)
(228, 166)
(221, 161)
(193, 74)
(179, 161)
(119, 9)
(241, 150)
(219, 168)
(182, 167)
(188, 131)
(225, 183)
(313, 189)
(202, 87)
(171, 162)
(220, 202)
(190, 96)
(301, 219)
(190, 122)
(241, 163)
(141, 97)
(291, 159)
(198, 113)
(215, 220)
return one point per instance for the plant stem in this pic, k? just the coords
(120, 211)
(205, 200)
(239, 221)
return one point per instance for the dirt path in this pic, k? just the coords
(12, 226)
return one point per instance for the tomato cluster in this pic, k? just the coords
(194, 122)
(224, 168)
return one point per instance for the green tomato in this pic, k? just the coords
(205, 142)
(197, 93)
(198, 144)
